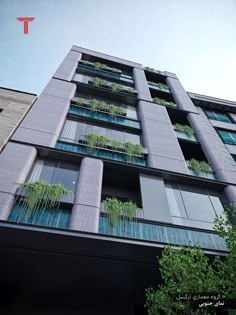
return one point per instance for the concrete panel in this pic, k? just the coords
(154, 199)
(180, 95)
(231, 148)
(107, 57)
(85, 218)
(168, 164)
(160, 139)
(223, 125)
(170, 74)
(16, 161)
(35, 137)
(6, 204)
(141, 85)
(68, 67)
(88, 196)
(44, 122)
(60, 88)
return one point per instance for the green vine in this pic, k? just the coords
(94, 141)
(116, 88)
(100, 66)
(199, 166)
(41, 194)
(116, 208)
(184, 128)
(102, 106)
(161, 101)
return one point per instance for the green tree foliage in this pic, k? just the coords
(188, 269)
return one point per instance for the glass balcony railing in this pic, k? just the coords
(59, 218)
(161, 233)
(183, 135)
(105, 73)
(159, 87)
(119, 120)
(209, 175)
(82, 148)
(104, 84)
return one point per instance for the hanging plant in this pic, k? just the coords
(41, 194)
(116, 208)
(184, 128)
(199, 166)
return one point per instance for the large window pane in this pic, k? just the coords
(217, 116)
(228, 137)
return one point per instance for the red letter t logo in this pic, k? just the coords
(26, 20)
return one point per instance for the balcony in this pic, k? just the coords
(105, 112)
(156, 232)
(100, 152)
(200, 169)
(158, 86)
(184, 132)
(184, 136)
(58, 218)
(105, 72)
(163, 102)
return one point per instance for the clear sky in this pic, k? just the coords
(196, 39)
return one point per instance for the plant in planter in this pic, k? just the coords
(184, 128)
(117, 145)
(87, 63)
(129, 149)
(115, 208)
(199, 166)
(102, 141)
(91, 140)
(138, 149)
(42, 195)
(99, 82)
(94, 104)
(163, 102)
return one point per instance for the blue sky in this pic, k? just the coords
(196, 39)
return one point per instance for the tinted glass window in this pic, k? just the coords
(217, 116)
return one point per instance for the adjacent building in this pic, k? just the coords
(111, 130)
(13, 107)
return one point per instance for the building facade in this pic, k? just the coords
(13, 107)
(111, 130)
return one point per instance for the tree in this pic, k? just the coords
(189, 270)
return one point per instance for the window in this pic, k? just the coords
(217, 116)
(229, 137)
(187, 203)
(73, 132)
(55, 172)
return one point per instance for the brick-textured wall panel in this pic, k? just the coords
(141, 85)
(90, 182)
(84, 218)
(213, 147)
(14, 107)
(159, 138)
(68, 67)
(6, 205)
(180, 95)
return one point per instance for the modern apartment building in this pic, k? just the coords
(13, 107)
(109, 129)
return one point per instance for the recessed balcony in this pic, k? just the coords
(102, 111)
